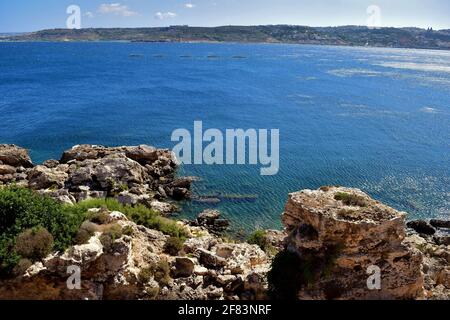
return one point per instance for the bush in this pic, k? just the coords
(22, 209)
(259, 238)
(110, 235)
(21, 267)
(139, 214)
(145, 274)
(161, 272)
(350, 199)
(34, 244)
(101, 217)
(83, 236)
(173, 246)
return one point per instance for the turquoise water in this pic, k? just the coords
(375, 119)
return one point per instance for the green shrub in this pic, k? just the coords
(259, 238)
(161, 272)
(100, 217)
(34, 244)
(110, 235)
(173, 246)
(22, 209)
(139, 214)
(22, 266)
(83, 236)
(351, 199)
(145, 275)
(128, 230)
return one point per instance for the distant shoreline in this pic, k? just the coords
(347, 36)
(227, 43)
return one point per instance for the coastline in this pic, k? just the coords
(330, 237)
(230, 43)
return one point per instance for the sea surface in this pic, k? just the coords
(375, 119)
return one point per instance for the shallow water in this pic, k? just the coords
(375, 119)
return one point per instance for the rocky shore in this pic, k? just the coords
(133, 175)
(334, 238)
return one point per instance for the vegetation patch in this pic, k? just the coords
(259, 237)
(173, 246)
(139, 214)
(23, 210)
(351, 199)
(34, 244)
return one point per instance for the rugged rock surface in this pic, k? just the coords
(422, 227)
(340, 234)
(212, 221)
(140, 174)
(127, 268)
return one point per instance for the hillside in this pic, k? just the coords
(345, 35)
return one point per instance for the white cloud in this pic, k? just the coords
(165, 15)
(117, 9)
(189, 5)
(89, 14)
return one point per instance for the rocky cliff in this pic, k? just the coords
(338, 243)
(344, 234)
(136, 265)
(140, 174)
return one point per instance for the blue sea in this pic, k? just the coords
(374, 119)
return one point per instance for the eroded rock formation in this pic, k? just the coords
(135, 266)
(339, 234)
(133, 175)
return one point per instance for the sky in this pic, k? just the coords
(33, 15)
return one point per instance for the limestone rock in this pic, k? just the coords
(338, 234)
(41, 177)
(14, 156)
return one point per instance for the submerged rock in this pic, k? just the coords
(210, 219)
(422, 227)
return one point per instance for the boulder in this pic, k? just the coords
(421, 227)
(164, 208)
(183, 267)
(14, 156)
(128, 198)
(143, 154)
(338, 235)
(41, 177)
(118, 169)
(7, 169)
(440, 223)
(51, 163)
(210, 259)
(210, 219)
